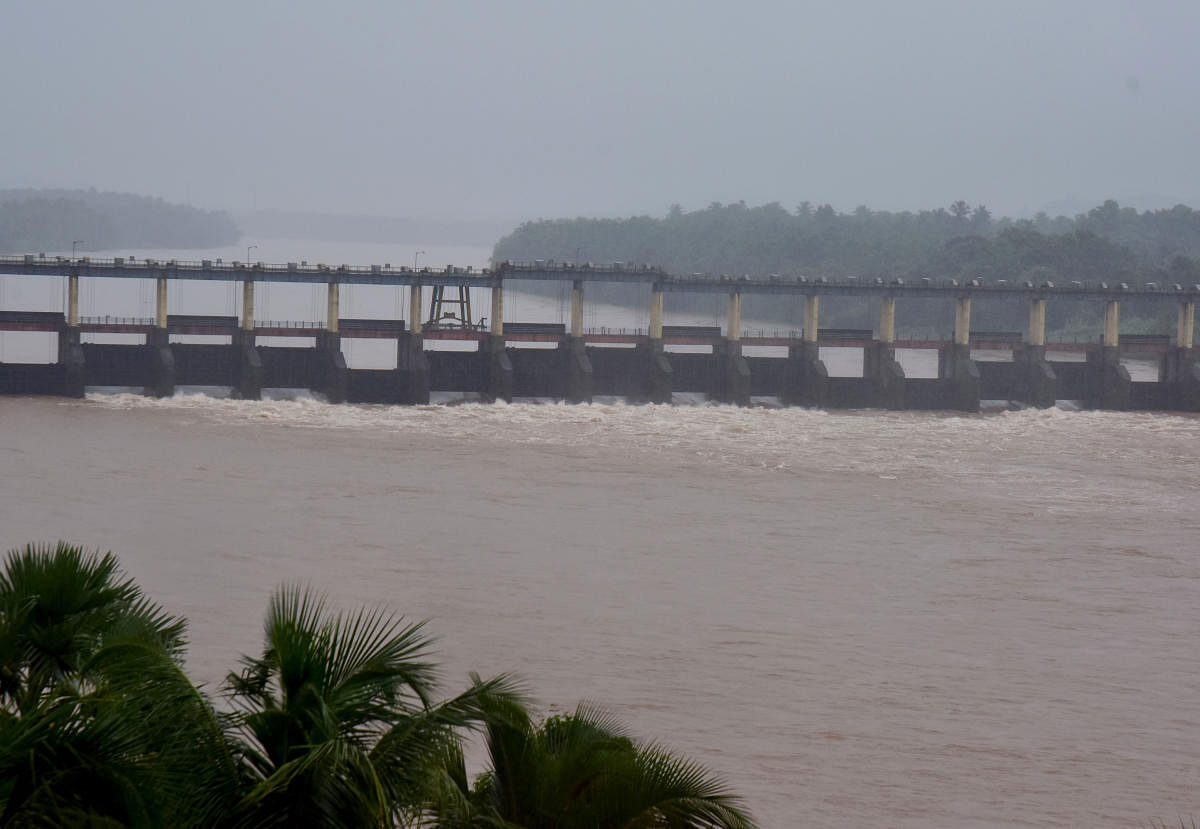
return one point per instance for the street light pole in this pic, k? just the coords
(415, 255)
(75, 242)
(248, 249)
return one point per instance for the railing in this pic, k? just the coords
(107, 320)
(289, 324)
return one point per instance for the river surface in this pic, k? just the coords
(882, 619)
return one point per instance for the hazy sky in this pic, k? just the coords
(521, 109)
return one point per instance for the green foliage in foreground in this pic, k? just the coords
(337, 723)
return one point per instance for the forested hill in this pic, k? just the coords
(1108, 242)
(40, 220)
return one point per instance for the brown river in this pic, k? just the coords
(883, 619)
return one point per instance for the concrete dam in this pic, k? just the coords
(575, 364)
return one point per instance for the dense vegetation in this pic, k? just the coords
(1108, 243)
(335, 724)
(41, 220)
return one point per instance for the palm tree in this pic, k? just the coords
(98, 724)
(578, 771)
(335, 722)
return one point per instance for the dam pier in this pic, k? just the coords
(503, 359)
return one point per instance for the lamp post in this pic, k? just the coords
(415, 255)
(74, 243)
(248, 249)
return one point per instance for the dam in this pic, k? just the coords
(574, 364)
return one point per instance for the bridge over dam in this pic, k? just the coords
(531, 359)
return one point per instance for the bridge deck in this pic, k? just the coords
(35, 265)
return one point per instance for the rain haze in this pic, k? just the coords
(509, 111)
(908, 539)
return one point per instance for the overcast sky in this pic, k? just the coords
(516, 109)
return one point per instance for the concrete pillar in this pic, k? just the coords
(962, 320)
(248, 306)
(332, 375)
(577, 308)
(812, 318)
(412, 367)
(70, 351)
(160, 316)
(497, 319)
(162, 360)
(806, 380)
(960, 375)
(1037, 322)
(1112, 323)
(734, 318)
(656, 314)
(577, 372)
(247, 362)
(879, 361)
(73, 300)
(1109, 381)
(887, 320)
(332, 311)
(1036, 382)
(415, 325)
(1187, 324)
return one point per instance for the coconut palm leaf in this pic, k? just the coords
(579, 772)
(56, 605)
(334, 720)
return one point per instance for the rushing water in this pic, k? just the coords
(903, 619)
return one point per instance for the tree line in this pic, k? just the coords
(40, 220)
(1108, 243)
(337, 722)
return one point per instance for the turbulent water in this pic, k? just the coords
(903, 619)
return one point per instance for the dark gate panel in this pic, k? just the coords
(538, 372)
(617, 371)
(693, 372)
(372, 386)
(459, 371)
(1149, 396)
(997, 381)
(203, 365)
(116, 365)
(1072, 380)
(849, 393)
(288, 368)
(31, 378)
(924, 393)
(766, 374)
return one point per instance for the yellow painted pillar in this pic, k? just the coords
(497, 321)
(73, 300)
(887, 320)
(656, 314)
(734, 320)
(1112, 322)
(414, 309)
(1187, 323)
(332, 312)
(160, 316)
(577, 308)
(248, 305)
(812, 317)
(962, 320)
(1037, 322)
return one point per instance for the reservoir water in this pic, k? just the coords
(898, 619)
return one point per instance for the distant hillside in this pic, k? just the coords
(36, 220)
(1106, 243)
(287, 224)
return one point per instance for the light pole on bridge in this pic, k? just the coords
(74, 244)
(415, 255)
(248, 249)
